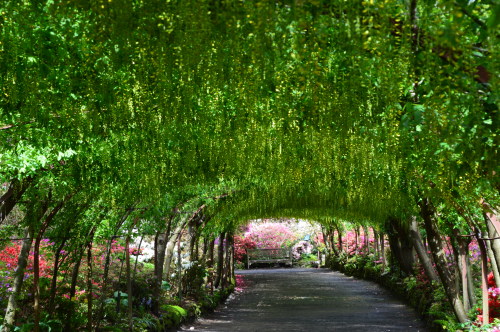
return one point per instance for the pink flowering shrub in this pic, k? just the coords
(319, 239)
(10, 254)
(8, 263)
(301, 247)
(493, 300)
(240, 246)
(270, 235)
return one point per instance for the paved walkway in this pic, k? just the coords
(308, 300)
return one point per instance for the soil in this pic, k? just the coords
(296, 299)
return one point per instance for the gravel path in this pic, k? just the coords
(308, 300)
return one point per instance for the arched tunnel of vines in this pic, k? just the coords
(139, 139)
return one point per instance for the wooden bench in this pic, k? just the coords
(276, 255)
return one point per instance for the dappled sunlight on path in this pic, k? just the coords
(308, 300)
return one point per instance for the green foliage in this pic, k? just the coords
(470, 326)
(308, 260)
(316, 110)
(174, 313)
(259, 110)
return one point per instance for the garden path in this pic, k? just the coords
(308, 300)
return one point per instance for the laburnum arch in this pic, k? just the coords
(163, 115)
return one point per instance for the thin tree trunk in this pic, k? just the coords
(367, 239)
(211, 257)
(356, 236)
(232, 261)
(74, 274)
(192, 240)
(484, 279)
(137, 257)
(13, 195)
(204, 254)
(17, 283)
(494, 244)
(325, 237)
(118, 300)
(179, 269)
(160, 251)
(210, 264)
(129, 278)
(107, 263)
(227, 273)
(437, 249)
(463, 257)
(89, 284)
(220, 259)
(161, 244)
(493, 262)
(382, 249)
(197, 249)
(176, 235)
(339, 234)
(129, 282)
(470, 283)
(32, 217)
(36, 264)
(55, 271)
(421, 252)
(169, 252)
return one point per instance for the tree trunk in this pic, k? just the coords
(356, 237)
(169, 252)
(332, 242)
(366, 234)
(211, 257)
(220, 260)
(55, 271)
(376, 244)
(484, 279)
(89, 284)
(196, 256)
(462, 260)
(161, 247)
(36, 265)
(382, 249)
(107, 263)
(176, 235)
(470, 282)
(179, 269)
(421, 252)
(137, 257)
(493, 262)
(129, 282)
(490, 219)
(160, 251)
(128, 267)
(401, 247)
(17, 283)
(13, 195)
(74, 274)
(204, 254)
(192, 239)
(339, 233)
(227, 274)
(437, 249)
(232, 261)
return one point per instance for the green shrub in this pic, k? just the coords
(174, 313)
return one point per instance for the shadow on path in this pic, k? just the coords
(308, 300)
